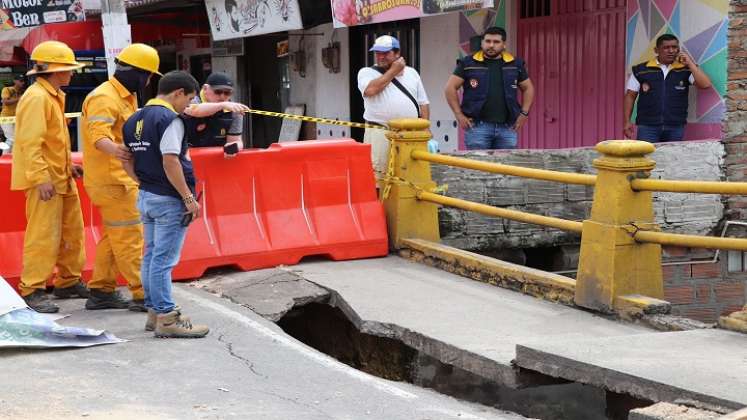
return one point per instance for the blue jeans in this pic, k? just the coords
(657, 133)
(164, 236)
(486, 135)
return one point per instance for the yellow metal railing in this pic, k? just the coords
(620, 242)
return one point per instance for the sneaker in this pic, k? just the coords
(174, 325)
(150, 323)
(40, 302)
(106, 300)
(137, 305)
(78, 290)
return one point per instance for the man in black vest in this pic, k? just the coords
(661, 86)
(490, 113)
(213, 121)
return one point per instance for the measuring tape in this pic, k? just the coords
(327, 121)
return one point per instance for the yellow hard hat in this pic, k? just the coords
(141, 56)
(53, 56)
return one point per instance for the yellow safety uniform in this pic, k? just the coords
(112, 191)
(9, 92)
(54, 231)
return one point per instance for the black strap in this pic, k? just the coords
(404, 90)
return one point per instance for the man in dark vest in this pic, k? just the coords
(661, 86)
(213, 121)
(490, 113)
(166, 201)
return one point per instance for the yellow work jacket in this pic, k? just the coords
(41, 152)
(105, 111)
(9, 92)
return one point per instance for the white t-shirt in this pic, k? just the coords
(391, 103)
(634, 85)
(171, 142)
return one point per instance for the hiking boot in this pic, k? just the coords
(137, 305)
(78, 290)
(150, 323)
(106, 300)
(174, 325)
(40, 302)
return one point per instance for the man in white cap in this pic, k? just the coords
(390, 90)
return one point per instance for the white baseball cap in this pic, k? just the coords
(385, 43)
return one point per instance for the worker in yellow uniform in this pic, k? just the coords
(112, 191)
(44, 171)
(10, 97)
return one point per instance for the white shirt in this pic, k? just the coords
(171, 142)
(391, 103)
(634, 85)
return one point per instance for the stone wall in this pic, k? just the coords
(680, 213)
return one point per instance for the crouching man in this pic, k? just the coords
(167, 204)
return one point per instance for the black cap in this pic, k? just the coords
(219, 81)
(20, 77)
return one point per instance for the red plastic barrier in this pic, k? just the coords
(261, 209)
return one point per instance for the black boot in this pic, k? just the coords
(40, 302)
(137, 305)
(104, 300)
(78, 290)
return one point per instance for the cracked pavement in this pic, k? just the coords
(246, 368)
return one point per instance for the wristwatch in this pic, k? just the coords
(524, 113)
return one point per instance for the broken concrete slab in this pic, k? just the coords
(706, 366)
(270, 293)
(455, 320)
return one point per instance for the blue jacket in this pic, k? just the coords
(662, 101)
(142, 135)
(476, 79)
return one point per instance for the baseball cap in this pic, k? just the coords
(20, 77)
(219, 80)
(385, 43)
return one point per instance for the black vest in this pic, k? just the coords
(207, 132)
(662, 101)
(476, 79)
(142, 135)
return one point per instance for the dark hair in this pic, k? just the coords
(175, 80)
(495, 30)
(230, 4)
(666, 37)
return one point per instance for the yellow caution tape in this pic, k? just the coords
(12, 120)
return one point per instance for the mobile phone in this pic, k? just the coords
(187, 216)
(231, 149)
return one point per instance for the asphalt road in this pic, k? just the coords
(247, 368)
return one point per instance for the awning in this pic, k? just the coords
(80, 36)
(10, 40)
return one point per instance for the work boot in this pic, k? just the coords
(150, 323)
(40, 302)
(78, 290)
(174, 325)
(137, 305)
(106, 300)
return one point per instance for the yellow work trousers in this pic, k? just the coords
(54, 238)
(120, 250)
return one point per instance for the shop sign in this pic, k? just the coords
(362, 12)
(241, 18)
(29, 13)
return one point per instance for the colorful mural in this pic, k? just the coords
(474, 22)
(701, 26)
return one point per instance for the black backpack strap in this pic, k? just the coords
(404, 90)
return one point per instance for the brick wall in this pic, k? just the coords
(735, 137)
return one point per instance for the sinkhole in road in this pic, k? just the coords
(328, 329)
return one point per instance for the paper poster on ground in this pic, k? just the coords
(362, 12)
(231, 19)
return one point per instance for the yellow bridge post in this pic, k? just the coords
(408, 217)
(612, 264)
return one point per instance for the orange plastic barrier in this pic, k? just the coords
(261, 209)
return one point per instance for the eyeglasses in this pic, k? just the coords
(226, 92)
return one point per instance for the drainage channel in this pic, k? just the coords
(327, 329)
